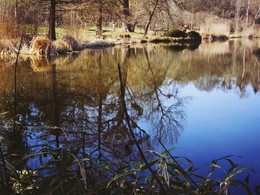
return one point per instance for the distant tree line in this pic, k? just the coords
(146, 14)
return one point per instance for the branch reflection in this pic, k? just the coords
(74, 103)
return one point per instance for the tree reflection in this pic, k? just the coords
(73, 107)
(55, 106)
(12, 137)
(256, 82)
(166, 112)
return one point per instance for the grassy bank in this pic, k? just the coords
(83, 38)
(87, 39)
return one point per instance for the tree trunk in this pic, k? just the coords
(52, 33)
(150, 18)
(238, 6)
(15, 10)
(99, 19)
(247, 14)
(126, 16)
(257, 20)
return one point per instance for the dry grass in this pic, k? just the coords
(41, 46)
(60, 47)
(10, 29)
(72, 42)
(215, 29)
(7, 47)
(26, 49)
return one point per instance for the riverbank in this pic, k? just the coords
(41, 45)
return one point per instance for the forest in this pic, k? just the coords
(148, 16)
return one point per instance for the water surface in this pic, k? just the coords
(203, 101)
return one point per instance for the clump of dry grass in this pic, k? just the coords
(41, 45)
(215, 29)
(25, 49)
(72, 42)
(44, 46)
(7, 47)
(60, 47)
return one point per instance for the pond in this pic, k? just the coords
(203, 102)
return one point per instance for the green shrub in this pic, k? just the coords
(175, 33)
(194, 35)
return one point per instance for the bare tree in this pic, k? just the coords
(52, 33)
(151, 14)
(99, 17)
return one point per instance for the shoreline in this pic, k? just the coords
(9, 48)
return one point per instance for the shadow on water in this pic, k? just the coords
(63, 117)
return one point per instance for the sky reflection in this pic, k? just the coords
(204, 102)
(221, 123)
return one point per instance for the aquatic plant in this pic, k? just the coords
(178, 176)
(67, 173)
(24, 181)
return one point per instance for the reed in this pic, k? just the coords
(76, 175)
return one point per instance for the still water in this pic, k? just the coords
(203, 101)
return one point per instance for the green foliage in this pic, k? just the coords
(175, 33)
(74, 175)
(178, 177)
(194, 35)
(67, 173)
(24, 182)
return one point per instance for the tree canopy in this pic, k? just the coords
(146, 14)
